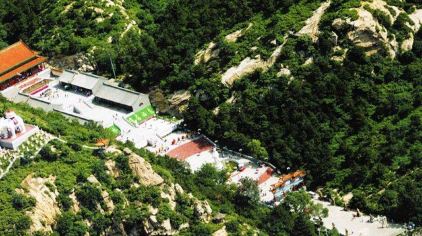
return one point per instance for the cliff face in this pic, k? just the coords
(43, 215)
(201, 210)
(374, 26)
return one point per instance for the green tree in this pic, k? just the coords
(303, 226)
(247, 195)
(70, 224)
(300, 202)
(22, 202)
(256, 149)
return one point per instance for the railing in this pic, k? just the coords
(238, 154)
(226, 151)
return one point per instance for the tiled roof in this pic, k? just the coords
(120, 95)
(22, 68)
(81, 80)
(284, 178)
(17, 58)
(265, 176)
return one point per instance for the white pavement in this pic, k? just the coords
(145, 134)
(207, 157)
(73, 102)
(266, 195)
(359, 226)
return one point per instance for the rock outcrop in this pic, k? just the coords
(249, 65)
(80, 62)
(311, 28)
(104, 194)
(203, 56)
(339, 54)
(43, 215)
(173, 104)
(202, 210)
(416, 17)
(221, 232)
(142, 169)
(112, 170)
(230, 100)
(368, 33)
(169, 193)
(393, 13)
(107, 200)
(284, 71)
(75, 203)
(153, 227)
(233, 37)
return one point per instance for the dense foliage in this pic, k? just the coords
(353, 125)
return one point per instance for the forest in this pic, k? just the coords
(354, 126)
(71, 164)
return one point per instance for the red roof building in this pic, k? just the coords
(18, 62)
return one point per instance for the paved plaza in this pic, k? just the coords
(347, 223)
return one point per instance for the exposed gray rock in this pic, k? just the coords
(142, 169)
(202, 210)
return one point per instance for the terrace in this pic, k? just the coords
(190, 148)
(28, 149)
(77, 103)
(148, 133)
(37, 87)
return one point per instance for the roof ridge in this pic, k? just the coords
(124, 89)
(20, 42)
(18, 46)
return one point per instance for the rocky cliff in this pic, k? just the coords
(43, 190)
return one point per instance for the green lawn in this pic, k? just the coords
(141, 115)
(116, 130)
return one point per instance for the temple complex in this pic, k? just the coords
(17, 63)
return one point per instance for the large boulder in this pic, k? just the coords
(143, 170)
(202, 210)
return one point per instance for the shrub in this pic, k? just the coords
(22, 202)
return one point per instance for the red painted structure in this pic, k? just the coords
(18, 62)
(265, 176)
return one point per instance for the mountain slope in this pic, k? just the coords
(71, 187)
(329, 86)
(344, 105)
